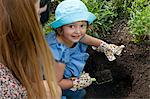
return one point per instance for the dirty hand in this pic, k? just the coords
(110, 50)
(83, 81)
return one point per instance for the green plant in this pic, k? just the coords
(103, 10)
(46, 28)
(121, 7)
(139, 24)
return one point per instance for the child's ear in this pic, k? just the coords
(59, 31)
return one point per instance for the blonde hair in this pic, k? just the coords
(23, 48)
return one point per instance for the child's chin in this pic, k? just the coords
(75, 41)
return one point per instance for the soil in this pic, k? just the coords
(130, 71)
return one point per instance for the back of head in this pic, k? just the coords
(22, 45)
(69, 11)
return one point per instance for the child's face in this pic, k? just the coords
(74, 32)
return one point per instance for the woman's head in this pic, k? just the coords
(23, 48)
(16, 13)
(70, 11)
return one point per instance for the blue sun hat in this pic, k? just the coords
(70, 11)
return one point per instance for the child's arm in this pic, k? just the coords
(63, 83)
(89, 40)
(60, 67)
(109, 49)
(76, 83)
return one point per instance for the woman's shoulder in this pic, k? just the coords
(10, 86)
(4, 71)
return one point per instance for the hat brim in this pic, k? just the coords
(73, 17)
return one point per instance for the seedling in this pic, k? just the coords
(103, 77)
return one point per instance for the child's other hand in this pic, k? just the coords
(115, 49)
(110, 50)
(83, 81)
(85, 77)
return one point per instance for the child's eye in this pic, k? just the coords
(83, 26)
(70, 26)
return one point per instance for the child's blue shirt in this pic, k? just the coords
(74, 58)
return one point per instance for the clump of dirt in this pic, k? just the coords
(130, 72)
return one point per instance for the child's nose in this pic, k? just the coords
(77, 30)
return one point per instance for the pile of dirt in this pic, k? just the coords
(130, 72)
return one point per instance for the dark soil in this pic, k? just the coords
(130, 71)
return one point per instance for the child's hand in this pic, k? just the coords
(116, 49)
(83, 81)
(110, 50)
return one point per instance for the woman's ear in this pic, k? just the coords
(43, 9)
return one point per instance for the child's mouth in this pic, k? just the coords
(77, 36)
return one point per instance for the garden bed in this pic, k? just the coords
(130, 72)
